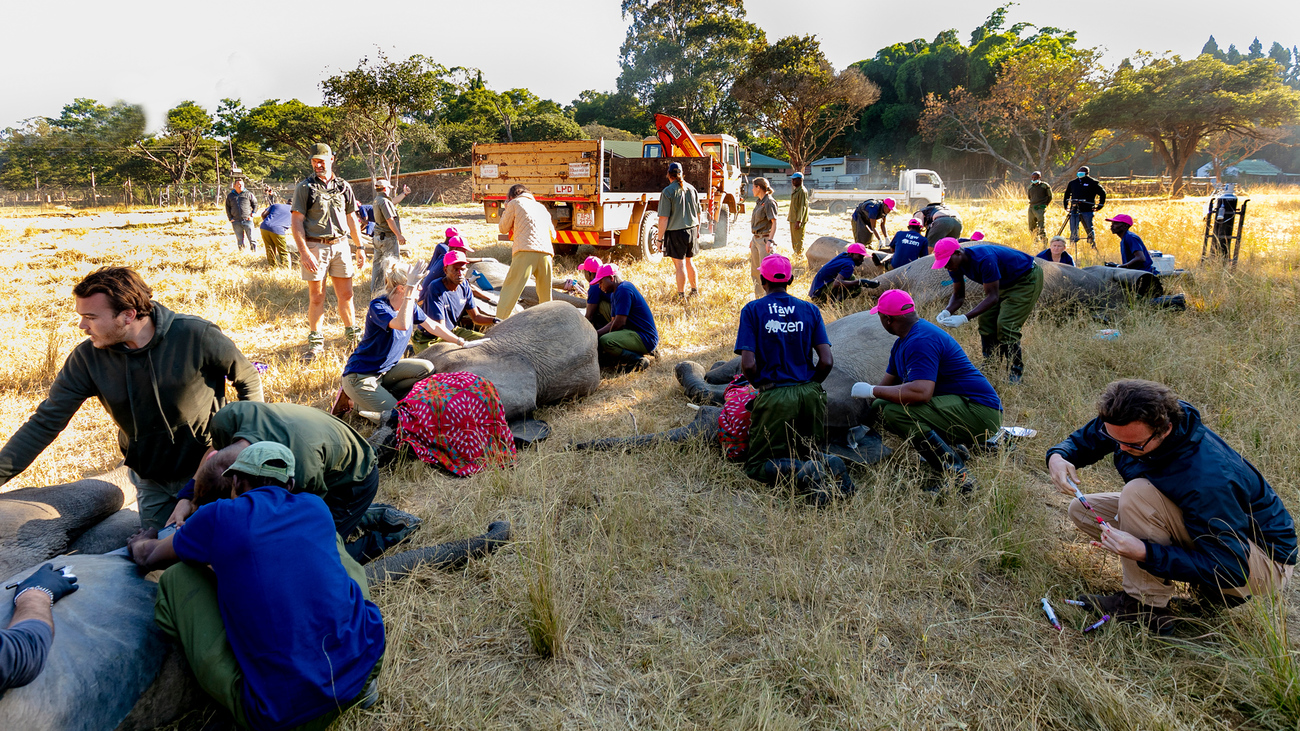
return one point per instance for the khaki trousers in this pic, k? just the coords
(523, 265)
(1146, 513)
(757, 252)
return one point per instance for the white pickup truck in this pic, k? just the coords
(916, 190)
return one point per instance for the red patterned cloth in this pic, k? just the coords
(733, 422)
(456, 421)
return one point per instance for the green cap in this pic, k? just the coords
(321, 150)
(265, 459)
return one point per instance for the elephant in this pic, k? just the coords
(542, 355)
(39, 522)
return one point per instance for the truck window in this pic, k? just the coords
(655, 150)
(733, 158)
(713, 150)
(923, 179)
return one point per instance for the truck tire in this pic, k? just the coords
(838, 207)
(650, 249)
(722, 227)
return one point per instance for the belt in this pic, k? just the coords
(311, 240)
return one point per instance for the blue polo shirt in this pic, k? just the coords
(302, 631)
(596, 295)
(927, 353)
(381, 346)
(841, 265)
(626, 300)
(277, 218)
(987, 263)
(781, 331)
(366, 217)
(908, 246)
(868, 210)
(447, 305)
(1046, 255)
(436, 270)
(1129, 246)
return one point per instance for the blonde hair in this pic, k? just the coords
(1057, 238)
(395, 276)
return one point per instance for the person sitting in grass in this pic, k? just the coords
(835, 282)
(777, 340)
(1192, 509)
(273, 616)
(1056, 252)
(454, 242)
(908, 245)
(448, 299)
(931, 394)
(630, 335)
(1133, 253)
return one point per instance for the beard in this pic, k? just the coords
(113, 335)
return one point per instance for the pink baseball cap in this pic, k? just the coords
(943, 252)
(856, 249)
(590, 264)
(889, 203)
(776, 268)
(913, 222)
(977, 236)
(1121, 218)
(454, 257)
(606, 270)
(456, 242)
(452, 231)
(894, 302)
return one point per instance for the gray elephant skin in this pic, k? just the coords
(826, 248)
(39, 522)
(543, 355)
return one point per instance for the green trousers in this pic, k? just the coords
(276, 247)
(522, 266)
(787, 422)
(156, 499)
(956, 418)
(1038, 221)
(615, 342)
(1015, 304)
(422, 339)
(943, 228)
(379, 392)
(186, 610)
(602, 316)
(796, 237)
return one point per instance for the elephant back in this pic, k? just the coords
(826, 248)
(39, 522)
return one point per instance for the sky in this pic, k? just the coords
(160, 53)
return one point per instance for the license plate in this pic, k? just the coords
(586, 217)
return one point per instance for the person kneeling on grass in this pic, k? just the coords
(448, 299)
(908, 246)
(599, 306)
(931, 394)
(273, 616)
(1192, 509)
(776, 341)
(1133, 253)
(631, 335)
(835, 282)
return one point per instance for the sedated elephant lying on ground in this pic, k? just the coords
(495, 272)
(826, 248)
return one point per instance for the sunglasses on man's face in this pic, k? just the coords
(1135, 446)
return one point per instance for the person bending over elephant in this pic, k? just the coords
(273, 616)
(25, 644)
(630, 337)
(940, 222)
(835, 282)
(776, 341)
(445, 301)
(599, 306)
(161, 376)
(931, 395)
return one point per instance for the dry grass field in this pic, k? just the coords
(674, 592)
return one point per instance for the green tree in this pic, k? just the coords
(595, 131)
(1176, 104)
(547, 125)
(613, 109)
(794, 94)
(682, 56)
(184, 136)
(278, 127)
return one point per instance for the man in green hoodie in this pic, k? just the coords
(160, 375)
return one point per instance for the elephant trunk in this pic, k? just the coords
(704, 425)
(445, 556)
(691, 376)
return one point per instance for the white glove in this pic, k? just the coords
(863, 390)
(942, 316)
(476, 343)
(415, 274)
(955, 321)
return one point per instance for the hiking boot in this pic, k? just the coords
(1017, 358)
(945, 462)
(870, 283)
(1124, 608)
(382, 527)
(370, 696)
(695, 292)
(632, 362)
(315, 345)
(988, 345)
(384, 438)
(352, 334)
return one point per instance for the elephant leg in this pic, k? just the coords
(444, 556)
(704, 425)
(691, 376)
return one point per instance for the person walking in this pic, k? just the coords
(869, 220)
(159, 374)
(797, 215)
(532, 234)
(679, 226)
(762, 226)
(241, 206)
(1083, 197)
(387, 238)
(1040, 197)
(324, 217)
(277, 219)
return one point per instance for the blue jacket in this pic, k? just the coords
(1224, 499)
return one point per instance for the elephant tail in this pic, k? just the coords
(705, 425)
(691, 376)
(444, 556)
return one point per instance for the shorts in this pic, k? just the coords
(681, 243)
(333, 259)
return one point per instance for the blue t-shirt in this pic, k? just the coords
(366, 217)
(840, 265)
(436, 270)
(927, 353)
(1046, 255)
(781, 331)
(1129, 246)
(908, 246)
(995, 263)
(596, 295)
(277, 218)
(381, 346)
(447, 305)
(302, 631)
(868, 210)
(626, 300)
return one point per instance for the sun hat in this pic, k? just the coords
(856, 249)
(776, 268)
(894, 302)
(264, 459)
(590, 264)
(382, 184)
(606, 270)
(943, 251)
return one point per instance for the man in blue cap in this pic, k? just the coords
(798, 214)
(679, 228)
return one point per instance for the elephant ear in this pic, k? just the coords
(513, 375)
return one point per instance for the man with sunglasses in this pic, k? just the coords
(1192, 509)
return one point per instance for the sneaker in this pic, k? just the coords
(315, 346)
(352, 334)
(1122, 607)
(695, 292)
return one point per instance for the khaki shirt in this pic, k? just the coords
(798, 212)
(385, 211)
(529, 225)
(764, 214)
(324, 206)
(680, 204)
